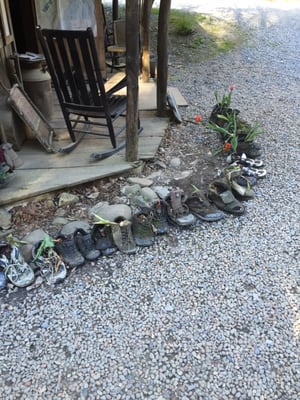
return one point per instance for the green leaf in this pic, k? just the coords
(221, 116)
(234, 143)
(196, 190)
(47, 243)
(103, 221)
(13, 241)
(217, 151)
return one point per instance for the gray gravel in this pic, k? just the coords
(210, 313)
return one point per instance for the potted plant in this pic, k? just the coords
(222, 107)
(236, 133)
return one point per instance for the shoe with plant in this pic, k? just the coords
(122, 235)
(222, 107)
(103, 237)
(51, 265)
(160, 217)
(234, 131)
(142, 229)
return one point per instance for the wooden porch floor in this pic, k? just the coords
(43, 172)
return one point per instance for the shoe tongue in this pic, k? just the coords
(227, 197)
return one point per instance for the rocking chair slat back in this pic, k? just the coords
(74, 67)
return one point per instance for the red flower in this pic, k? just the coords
(198, 118)
(226, 147)
(232, 87)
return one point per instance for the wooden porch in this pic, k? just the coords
(43, 172)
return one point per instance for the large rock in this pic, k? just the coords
(72, 226)
(31, 239)
(111, 212)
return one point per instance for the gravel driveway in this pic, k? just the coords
(210, 313)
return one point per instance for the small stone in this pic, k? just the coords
(66, 198)
(175, 162)
(143, 182)
(183, 175)
(131, 189)
(59, 221)
(169, 308)
(38, 282)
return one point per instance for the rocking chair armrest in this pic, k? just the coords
(115, 83)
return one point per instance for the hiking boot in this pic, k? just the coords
(123, 238)
(66, 248)
(85, 245)
(142, 229)
(103, 239)
(160, 218)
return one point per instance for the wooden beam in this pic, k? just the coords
(147, 5)
(162, 57)
(115, 10)
(132, 72)
(99, 40)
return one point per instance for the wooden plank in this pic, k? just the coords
(30, 183)
(43, 172)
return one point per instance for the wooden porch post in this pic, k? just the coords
(162, 57)
(132, 72)
(99, 40)
(147, 5)
(115, 10)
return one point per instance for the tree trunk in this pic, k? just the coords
(162, 57)
(132, 72)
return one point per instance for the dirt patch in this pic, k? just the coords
(208, 37)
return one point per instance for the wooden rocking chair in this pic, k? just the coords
(88, 104)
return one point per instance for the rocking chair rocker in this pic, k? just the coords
(88, 104)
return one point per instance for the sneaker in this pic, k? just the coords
(85, 245)
(51, 266)
(160, 218)
(123, 238)
(66, 248)
(142, 229)
(3, 280)
(18, 272)
(103, 239)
